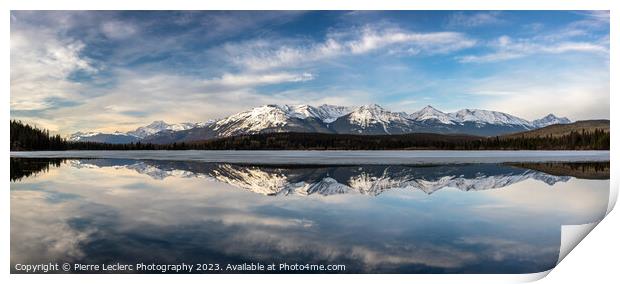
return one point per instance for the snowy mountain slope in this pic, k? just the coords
(489, 117)
(430, 113)
(269, 118)
(78, 136)
(325, 113)
(373, 119)
(329, 113)
(366, 115)
(550, 119)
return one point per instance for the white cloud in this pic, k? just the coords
(247, 80)
(263, 54)
(142, 97)
(572, 37)
(268, 54)
(43, 59)
(41, 62)
(505, 48)
(437, 42)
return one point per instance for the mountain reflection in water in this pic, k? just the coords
(371, 218)
(362, 179)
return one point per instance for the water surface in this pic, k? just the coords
(373, 218)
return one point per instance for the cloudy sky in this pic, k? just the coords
(111, 70)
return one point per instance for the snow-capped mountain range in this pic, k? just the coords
(330, 180)
(366, 120)
(136, 134)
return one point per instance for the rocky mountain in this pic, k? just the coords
(330, 180)
(325, 113)
(365, 120)
(373, 119)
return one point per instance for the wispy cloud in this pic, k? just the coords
(592, 21)
(143, 97)
(42, 60)
(600, 16)
(118, 29)
(266, 54)
(576, 36)
(474, 19)
(105, 70)
(506, 48)
(46, 55)
(249, 80)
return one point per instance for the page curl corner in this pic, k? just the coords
(572, 235)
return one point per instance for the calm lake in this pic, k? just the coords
(372, 214)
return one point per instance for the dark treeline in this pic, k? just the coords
(585, 170)
(28, 138)
(25, 167)
(25, 137)
(320, 141)
(596, 140)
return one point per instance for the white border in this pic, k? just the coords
(608, 230)
(313, 5)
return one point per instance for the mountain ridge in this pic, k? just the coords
(565, 129)
(371, 119)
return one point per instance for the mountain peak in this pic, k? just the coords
(550, 119)
(371, 107)
(371, 114)
(369, 111)
(431, 113)
(157, 123)
(267, 107)
(550, 116)
(429, 108)
(329, 113)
